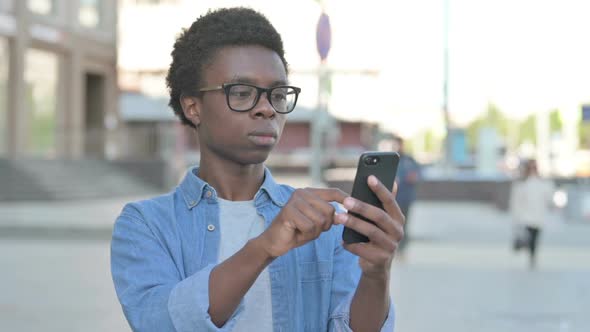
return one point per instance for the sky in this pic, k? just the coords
(524, 56)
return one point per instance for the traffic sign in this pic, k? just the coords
(586, 113)
(323, 36)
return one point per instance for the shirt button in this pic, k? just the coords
(208, 194)
(192, 202)
(210, 228)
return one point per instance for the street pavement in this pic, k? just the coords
(459, 273)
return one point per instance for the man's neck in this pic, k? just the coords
(231, 181)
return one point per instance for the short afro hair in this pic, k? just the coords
(197, 46)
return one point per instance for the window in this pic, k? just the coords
(41, 78)
(89, 13)
(42, 7)
(3, 94)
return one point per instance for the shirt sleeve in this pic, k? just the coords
(347, 273)
(149, 286)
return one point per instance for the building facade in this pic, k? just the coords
(58, 79)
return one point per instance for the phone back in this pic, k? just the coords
(382, 165)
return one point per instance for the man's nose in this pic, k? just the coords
(263, 107)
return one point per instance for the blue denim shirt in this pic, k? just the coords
(406, 191)
(163, 250)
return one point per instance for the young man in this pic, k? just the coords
(230, 249)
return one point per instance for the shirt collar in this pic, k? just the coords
(272, 189)
(194, 189)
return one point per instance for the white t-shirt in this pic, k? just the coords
(239, 222)
(530, 200)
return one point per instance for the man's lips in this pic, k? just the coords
(265, 133)
(263, 138)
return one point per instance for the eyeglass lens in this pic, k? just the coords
(244, 97)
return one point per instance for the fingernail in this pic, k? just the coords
(372, 180)
(348, 203)
(342, 218)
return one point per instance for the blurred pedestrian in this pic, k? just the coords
(230, 249)
(408, 175)
(530, 202)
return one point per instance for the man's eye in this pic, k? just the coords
(241, 93)
(278, 96)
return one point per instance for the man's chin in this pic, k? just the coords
(256, 158)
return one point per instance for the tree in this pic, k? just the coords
(584, 132)
(497, 120)
(555, 123)
(492, 118)
(472, 132)
(527, 130)
(426, 140)
(429, 141)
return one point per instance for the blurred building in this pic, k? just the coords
(58, 92)
(344, 142)
(59, 118)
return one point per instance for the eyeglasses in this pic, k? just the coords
(242, 97)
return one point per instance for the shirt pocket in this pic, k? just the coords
(316, 288)
(315, 271)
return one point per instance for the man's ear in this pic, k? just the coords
(191, 107)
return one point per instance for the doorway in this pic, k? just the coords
(94, 106)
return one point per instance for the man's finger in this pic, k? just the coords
(378, 216)
(372, 254)
(316, 210)
(329, 194)
(302, 223)
(386, 197)
(376, 235)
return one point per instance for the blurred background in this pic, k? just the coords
(473, 87)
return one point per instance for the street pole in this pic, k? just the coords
(323, 43)
(445, 106)
(317, 131)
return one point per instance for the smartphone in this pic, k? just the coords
(382, 165)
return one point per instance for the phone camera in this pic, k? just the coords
(371, 160)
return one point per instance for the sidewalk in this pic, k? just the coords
(480, 236)
(460, 222)
(459, 273)
(92, 217)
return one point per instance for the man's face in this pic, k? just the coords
(247, 137)
(532, 168)
(398, 146)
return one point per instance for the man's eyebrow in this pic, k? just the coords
(241, 79)
(279, 82)
(246, 80)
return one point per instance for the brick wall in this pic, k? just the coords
(295, 135)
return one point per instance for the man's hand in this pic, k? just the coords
(306, 215)
(384, 236)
